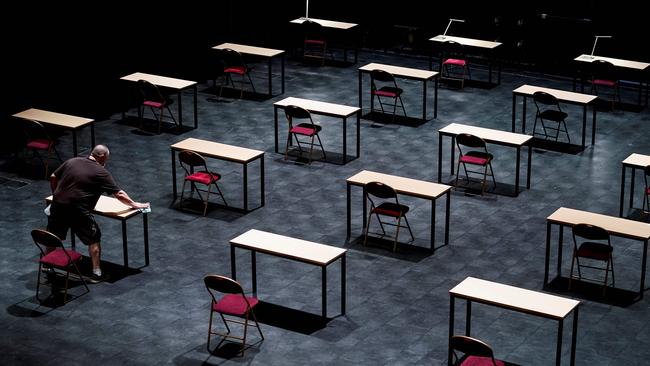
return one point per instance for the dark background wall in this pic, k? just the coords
(69, 57)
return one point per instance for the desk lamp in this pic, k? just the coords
(595, 42)
(451, 20)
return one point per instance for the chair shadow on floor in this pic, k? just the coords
(412, 252)
(318, 161)
(217, 211)
(199, 355)
(290, 319)
(541, 145)
(31, 306)
(149, 126)
(592, 292)
(227, 349)
(230, 95)
(379, 119)
(473, 188)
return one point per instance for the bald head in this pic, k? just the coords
(100, 153)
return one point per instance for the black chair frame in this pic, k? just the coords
(386, 208)
(221, 284)
(465, 140)
(593, 248)
(292, 113)
(189, 161)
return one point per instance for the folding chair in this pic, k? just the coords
(54, 256)
(307, 129)
(383, 85)
(389, 206)
(38, 139)
(190, 161)
(479, 157)
(229, 300)
(549, 110)
(153, 98)
(455, 64)
(233, 64)
(475, 352)
(592, 243)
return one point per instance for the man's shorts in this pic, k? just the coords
(81, 221)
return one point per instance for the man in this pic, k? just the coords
(76, 186)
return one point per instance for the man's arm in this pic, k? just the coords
(125, 199)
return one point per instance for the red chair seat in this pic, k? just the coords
(480, 361)
(609, 83)
(391, 209)
(597, 251)
(468, 159)
(203, 177)
(57, 258)
(306, 131)
(150, 103)
(454, 61)
(647, 190)
(234, 304)
(235, 70)
(386, 93)
(314, 42)
(39, 144)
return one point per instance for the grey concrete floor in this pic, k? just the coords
(397, 303)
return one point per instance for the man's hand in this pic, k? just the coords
(141, 205)
(125, 199)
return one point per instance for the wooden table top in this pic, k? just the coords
(407, 186)
(218, 150)
(407, 72)
(164, 81)
(514, 298)
(487, 134)
(326, 23)
(110, 207)
(466, 41)
(288, 247)
(614, 225)
(314, 106)
(637, 160)
(616, 61)
(562, 95)
(250, 50)
(59, 119)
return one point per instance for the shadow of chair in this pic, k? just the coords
(549, 110)
(473, 151)
(383, 85)
(308, 128)
(475, 352)
(39, 140)
(384, 202)
(54, 256)
(455, 65)
(196, 172)
(234, 65)
(153, 98)
(592, 243)
(229, 301)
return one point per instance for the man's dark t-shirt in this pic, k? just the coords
(81, 181)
